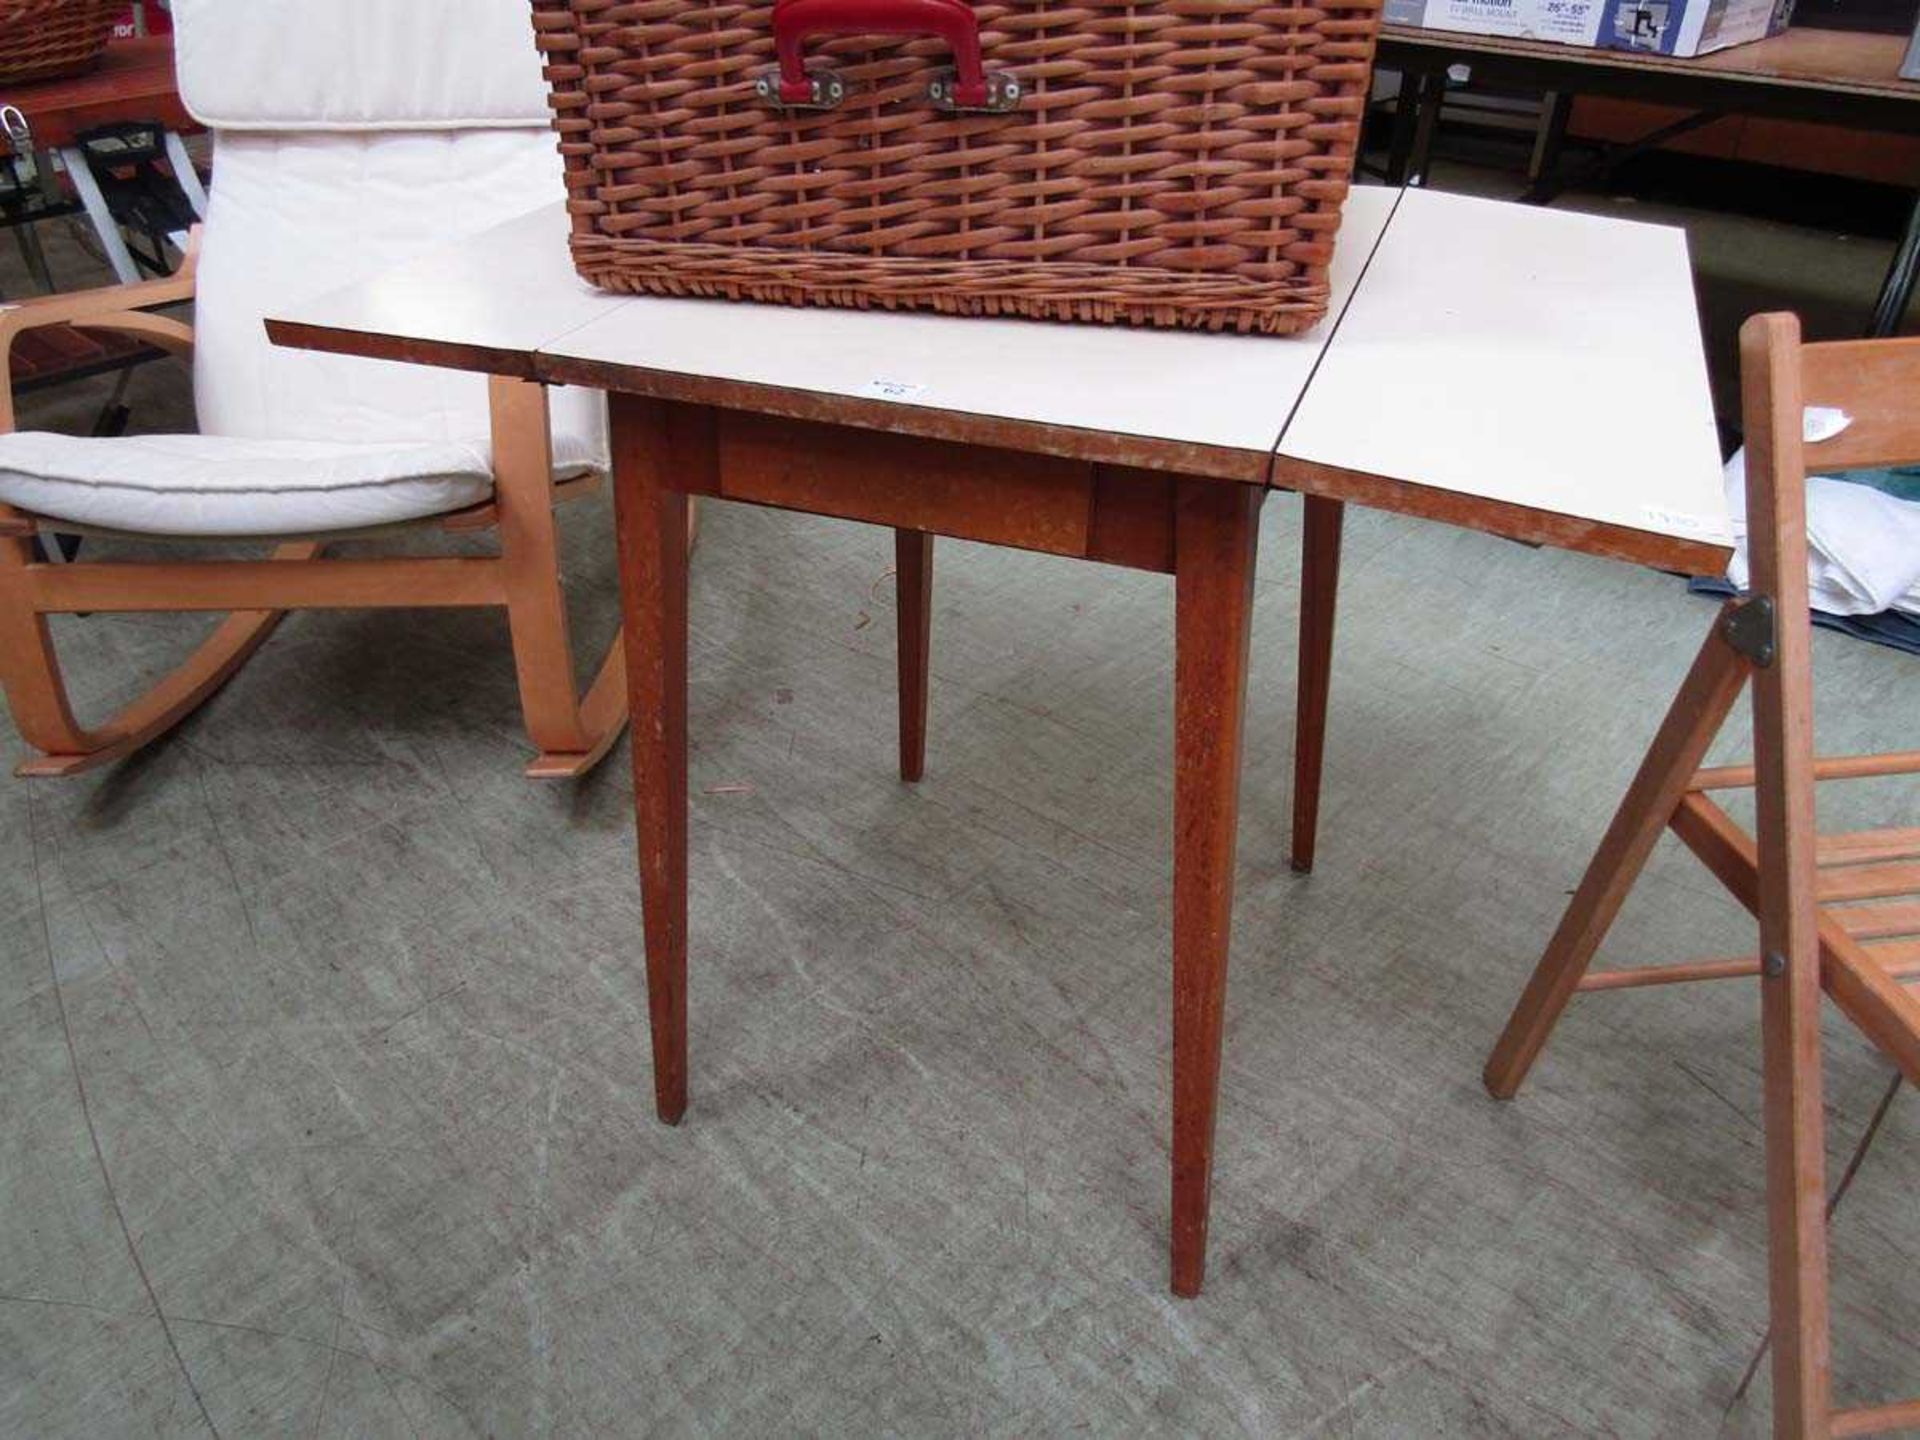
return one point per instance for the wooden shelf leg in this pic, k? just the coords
(1319, 600)
(913, 589)
(1216, 540)
(650, 518)
(1695, 717)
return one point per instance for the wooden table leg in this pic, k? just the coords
(1216, 539)
(1319, 599)
(913, 589)
(650, 522)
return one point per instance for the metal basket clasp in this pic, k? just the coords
(1003, 93)
(826, 87)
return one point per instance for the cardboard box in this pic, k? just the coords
(1659, 27)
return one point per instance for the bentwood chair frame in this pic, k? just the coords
(1829, 911)
(570, 731)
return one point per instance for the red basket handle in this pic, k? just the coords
(797, 21)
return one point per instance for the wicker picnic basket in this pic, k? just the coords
(1159, 162)
(43, 39)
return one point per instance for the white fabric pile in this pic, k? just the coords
(1863, 545)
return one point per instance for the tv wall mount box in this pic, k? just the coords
(1681, 28)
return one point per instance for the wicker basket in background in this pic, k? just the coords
(1159, 162)
(43, 39)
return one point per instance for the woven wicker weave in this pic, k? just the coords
(1179, 163)
(42, 39)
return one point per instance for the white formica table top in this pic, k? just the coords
(1534, 357)
(1548, 364)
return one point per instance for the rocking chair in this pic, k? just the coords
(350, 137)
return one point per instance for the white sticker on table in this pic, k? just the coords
(1679, 522)
(881, 389)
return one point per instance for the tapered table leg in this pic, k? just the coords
(1216, 539)
(650, 519)
(1319, 600)
(913, 589)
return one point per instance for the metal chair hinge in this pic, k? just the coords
(1748, 628)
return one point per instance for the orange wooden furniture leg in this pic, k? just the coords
(1785, 836)
(1319, 601)
(570, 733)
(1692, 721)
(603, 715)
(530, 570)
(1216, 539)
(651, 521)
(913, 587)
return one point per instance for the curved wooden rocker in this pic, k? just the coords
(30, 673)
(571, 732)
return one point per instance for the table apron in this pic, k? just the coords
(1189, 458)
(1047, 503)
(1503, 518)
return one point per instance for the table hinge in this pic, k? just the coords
(1748, 628)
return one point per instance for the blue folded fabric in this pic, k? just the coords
(1900, 481)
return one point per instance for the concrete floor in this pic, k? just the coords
(325, 1104)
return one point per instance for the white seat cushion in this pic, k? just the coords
(293, 216)
(224, 485)
(359, 64)
(368, 132)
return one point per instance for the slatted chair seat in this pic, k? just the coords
(1869, 938)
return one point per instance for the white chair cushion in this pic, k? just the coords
(298, 215)
(358, 64)
(221, 485)
(354, 135)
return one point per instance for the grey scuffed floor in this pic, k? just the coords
(325, 1104)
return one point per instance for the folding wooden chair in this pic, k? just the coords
(345, 143)
(1829, 907)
